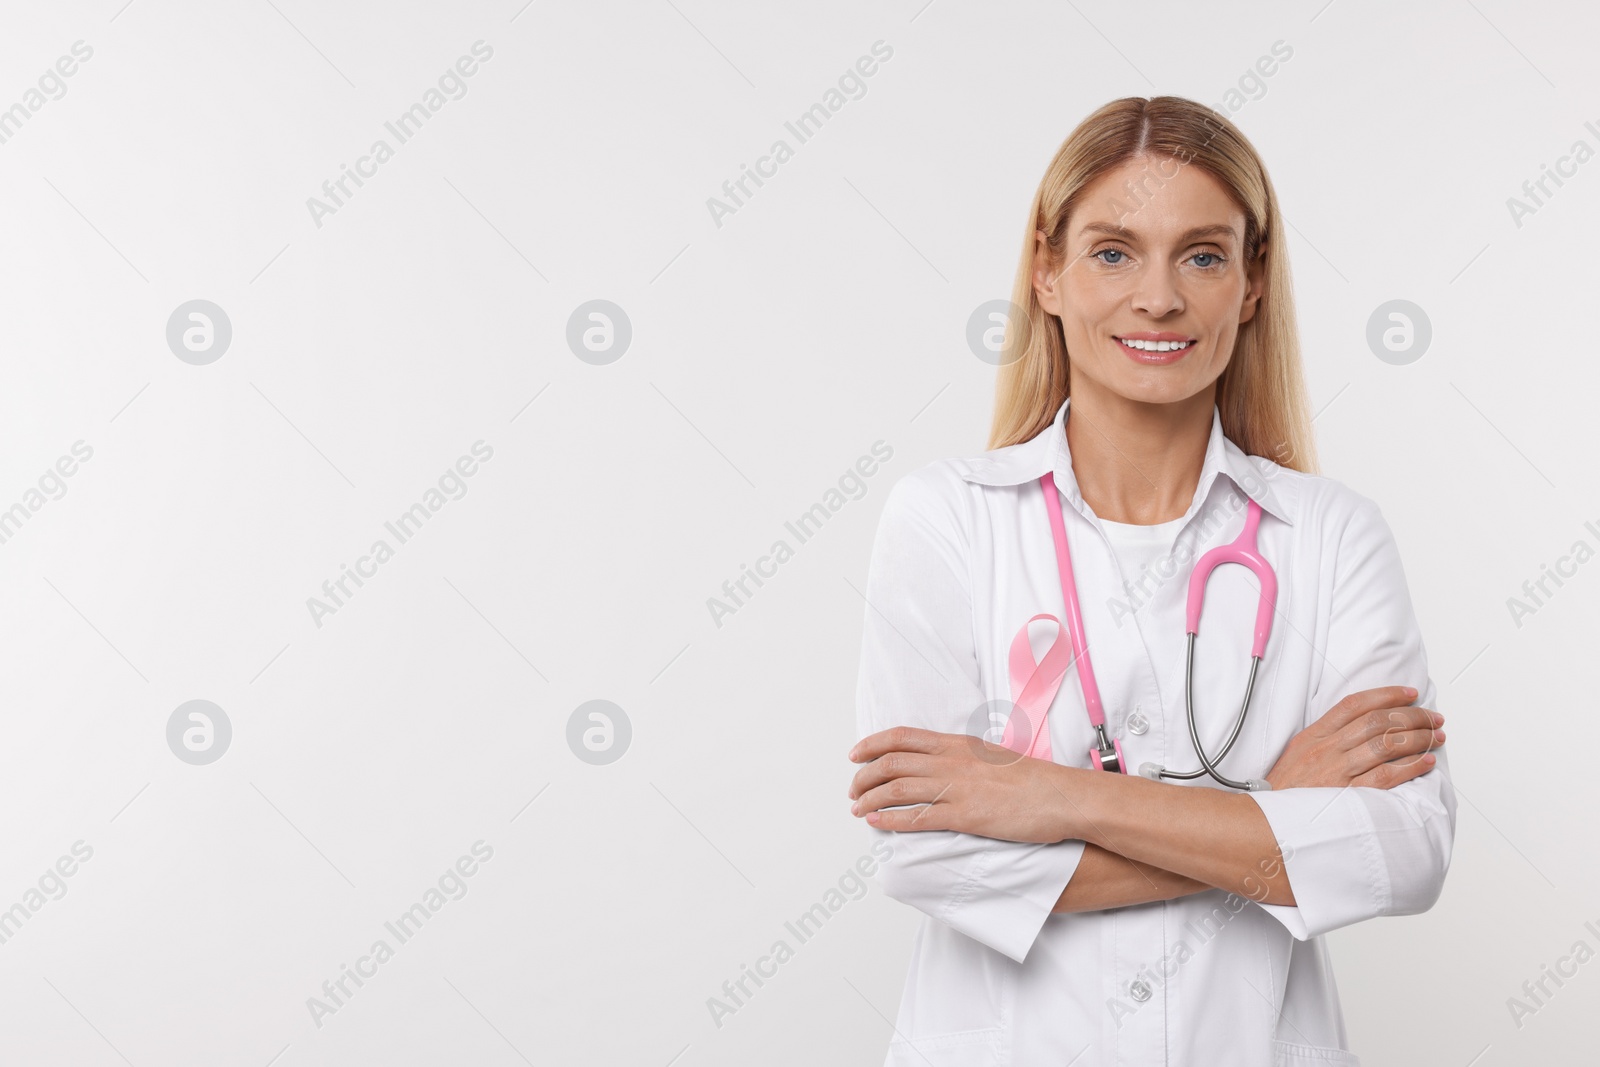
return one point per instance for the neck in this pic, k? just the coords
(1137, 463)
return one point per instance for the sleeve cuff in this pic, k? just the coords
(1332, 857)
(1001, 900)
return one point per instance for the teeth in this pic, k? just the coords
(1156, 346)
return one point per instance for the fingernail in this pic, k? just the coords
(1412, 691)
(855, 809)
(852, 756)
(1430, 758)
(1438, 735)
(872, 817)
(1438, 720)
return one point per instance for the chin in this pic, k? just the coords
(1146, 391)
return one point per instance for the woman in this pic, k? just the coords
(1085, 916)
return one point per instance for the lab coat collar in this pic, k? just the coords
(1047, 452)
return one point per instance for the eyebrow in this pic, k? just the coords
(1189, 235)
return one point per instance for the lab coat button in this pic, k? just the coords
(1137, 723)
(1139, 991)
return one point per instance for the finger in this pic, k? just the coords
(917, 817)
(899, 792)
(1387, 720)
(1354, 706)
(888, 767)
(896, 739)
(1391, 745)
(1396, 772)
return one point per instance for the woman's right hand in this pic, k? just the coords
(1372, 738)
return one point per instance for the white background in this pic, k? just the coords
(768, 354)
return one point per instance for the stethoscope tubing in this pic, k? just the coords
(1208, 765)
(1243, 550)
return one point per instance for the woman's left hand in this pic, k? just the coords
(958, 782)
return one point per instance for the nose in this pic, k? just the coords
(1156, 292)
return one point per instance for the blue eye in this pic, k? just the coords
(1214, 259)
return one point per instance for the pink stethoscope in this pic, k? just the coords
(1034, 684)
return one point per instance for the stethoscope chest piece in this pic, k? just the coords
(1107, 756)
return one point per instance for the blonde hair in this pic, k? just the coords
(1261, 396)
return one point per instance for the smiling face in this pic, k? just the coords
(1150, 303)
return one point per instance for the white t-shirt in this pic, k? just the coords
(1138, 547)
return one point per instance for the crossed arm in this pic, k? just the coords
(1144, 840)
(1013, 833)
(1105, 879)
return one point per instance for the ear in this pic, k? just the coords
(1045, 275)
(1256, 281)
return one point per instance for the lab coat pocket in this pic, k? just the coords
(1287, 1054)
(956, 1007)
(972, 1048)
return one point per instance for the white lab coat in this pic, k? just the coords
(963, 557)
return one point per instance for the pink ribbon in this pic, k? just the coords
(1033, 689)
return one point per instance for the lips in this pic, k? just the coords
(1158, 348)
